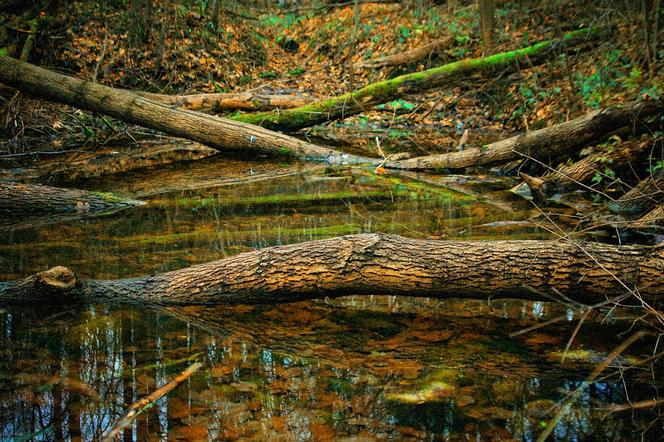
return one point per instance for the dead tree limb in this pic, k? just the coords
(375, 264)
(548, 145)
(642, 198)
(412, 56)
(219, 133)
(140, 406)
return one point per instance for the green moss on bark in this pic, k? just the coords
(376, 93)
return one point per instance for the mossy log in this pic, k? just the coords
(642, 198)
(375, 264)
(412, 56)
(373, 94)
(548, 145)
(219, 133)
(230, 102)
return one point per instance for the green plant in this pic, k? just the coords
(268, 75)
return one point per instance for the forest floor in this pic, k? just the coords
(318, 52)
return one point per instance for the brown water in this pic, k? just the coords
(354, 368)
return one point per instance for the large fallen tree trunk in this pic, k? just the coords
(371, 95)
(230, 102)
(376, 264)
(212, 131)
(411, 56)
(550, 144)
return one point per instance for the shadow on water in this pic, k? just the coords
(360, 368)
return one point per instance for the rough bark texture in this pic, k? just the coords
(642, 198)
(651, 220)
(212, 131)
(547, 145)
(369, 96)
(571, 176)
(411, 56)
(19, 200)
(230, 102)
(375, 264)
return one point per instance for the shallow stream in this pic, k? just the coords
(353, 368)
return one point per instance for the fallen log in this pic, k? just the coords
(70, 166)
(229, 102)
(375, 264)
(30, 205)
(547, 145)
(20, 200)
(642, 198)
(581, 173)
(412, 56)
(219, 133)
(651, 220)
(373, 94)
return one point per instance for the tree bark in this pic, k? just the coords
(19, 200)
(371, 95)
(642, 198)
(412, 56)
(487, 9)
(31, 205)
(548, 145)
(375, 264)
(229, 102)
(651, 220)
(578, 173)
(219, 133)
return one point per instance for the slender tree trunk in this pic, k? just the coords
(547, 145)
(376, 264)
(220, 133)
(376, 93)
(487, 8)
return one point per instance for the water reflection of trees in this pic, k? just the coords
(295, 371)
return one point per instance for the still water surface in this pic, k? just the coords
(354, 368)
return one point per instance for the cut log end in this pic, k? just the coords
(58, 278)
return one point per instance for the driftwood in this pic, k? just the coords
(412, 56)
(220, 133)
(550, 144)
(230, 102)
(375, 264)
(376, 93)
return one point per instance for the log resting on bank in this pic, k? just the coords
(216, 132)
(375, 264)
(550, 144)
